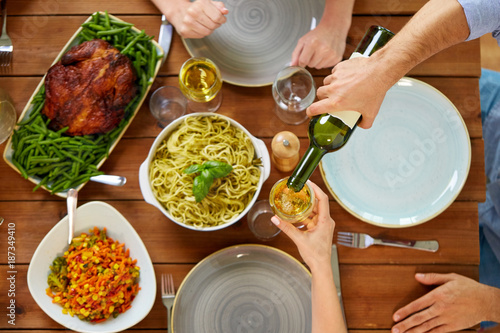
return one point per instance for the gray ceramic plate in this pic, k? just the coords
(245, 288)
(410, 166)
(258, 38)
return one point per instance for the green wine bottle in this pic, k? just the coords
(329, 132)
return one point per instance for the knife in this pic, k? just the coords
(336, 278)
(165, 37)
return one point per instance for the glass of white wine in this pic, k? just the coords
(200, 81)
(8, 116)
(291, 206)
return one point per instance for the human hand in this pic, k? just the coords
(199, 18)
(457, 304)
(356, 85)
(319, 48)
(315, 243)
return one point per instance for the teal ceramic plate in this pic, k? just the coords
(410, 166)
(245, 288)
(258, 38)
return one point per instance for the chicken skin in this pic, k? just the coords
(89, 88)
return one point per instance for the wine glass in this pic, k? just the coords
(200, 81)
(291, 206)
(293, 91)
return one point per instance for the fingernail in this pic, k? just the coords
(395, 330)
(420, 275)
(275, 220)
(396, 318)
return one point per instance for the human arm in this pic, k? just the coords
(458, 303)
(315, 247)
(361, 83)
(193, 19)
(324, 45)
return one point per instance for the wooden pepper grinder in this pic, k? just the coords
(285, 151)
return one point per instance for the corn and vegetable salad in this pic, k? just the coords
(95, 278)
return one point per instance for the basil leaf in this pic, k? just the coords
(192, 169)
(208, 177)
(200, 187)
(218, 169)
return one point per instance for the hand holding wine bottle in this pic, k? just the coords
(354, 84)
(331, 129)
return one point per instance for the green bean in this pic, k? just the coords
(132, 42)
(107, 24)
(112, 32)
(96, 26)
(152, 61)
(20, 168)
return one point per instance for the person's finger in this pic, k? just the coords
(366, 122)
(414, 322)
(316, 61)
(329, 79)
(296, 54)
(418, 325)
(414, 308)
(305, 56)
(289, 229)
(320, 107)
(222, 7)
(433, 278)
(323, 203)
(215, 11)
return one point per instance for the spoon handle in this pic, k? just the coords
(109, 180)
(71, 201)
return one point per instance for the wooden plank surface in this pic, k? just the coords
(49, 35)
(455, 229)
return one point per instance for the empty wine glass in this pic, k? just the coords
(293, 91)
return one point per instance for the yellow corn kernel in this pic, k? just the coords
(111, 309)
(95, 297)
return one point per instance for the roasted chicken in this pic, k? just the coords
(89, 88)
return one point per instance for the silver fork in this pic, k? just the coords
(6, 48)
(167, 296)
(362, 241)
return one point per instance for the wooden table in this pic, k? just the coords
(375, 281)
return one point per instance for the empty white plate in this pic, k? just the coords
(410, 166)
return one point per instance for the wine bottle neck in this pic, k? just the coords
(374, 39)
(305, 168)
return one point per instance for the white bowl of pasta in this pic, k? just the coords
(193, 140)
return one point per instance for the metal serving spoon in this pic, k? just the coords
(71, 201)
(109, 180)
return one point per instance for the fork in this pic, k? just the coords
(6, 47)
(362, 241)
(167, 296)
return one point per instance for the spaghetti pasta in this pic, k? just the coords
(197, 140)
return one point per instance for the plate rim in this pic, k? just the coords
(442, 209)
(226, 249)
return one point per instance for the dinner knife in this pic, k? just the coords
(165, 37)
(336, 278)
